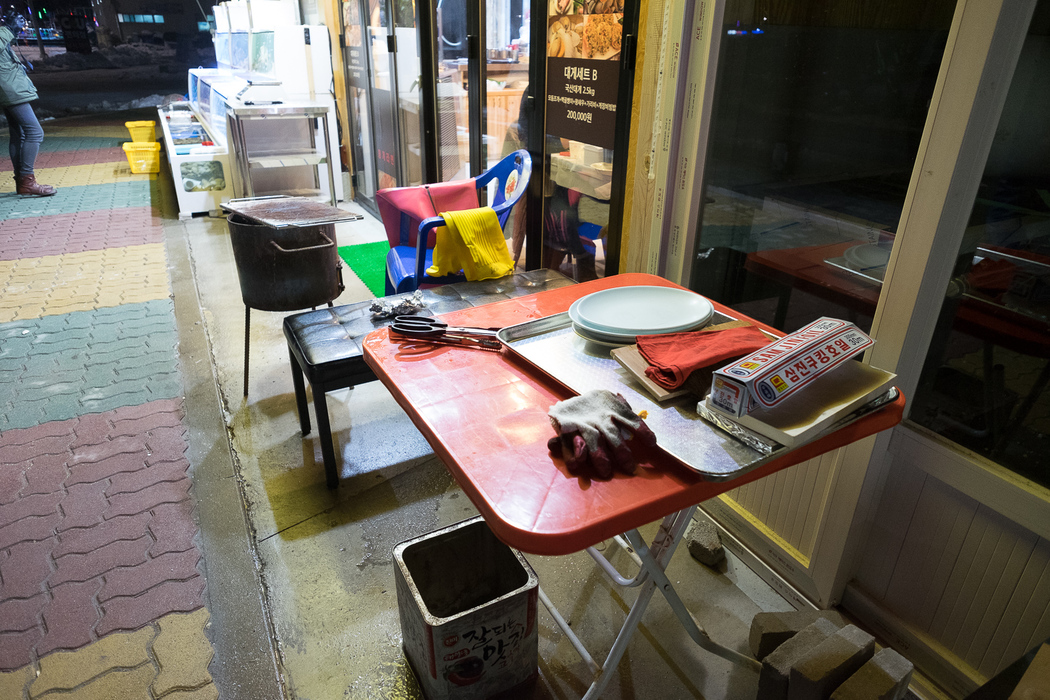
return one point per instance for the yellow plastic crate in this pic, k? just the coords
(142, 131)
(143, 157)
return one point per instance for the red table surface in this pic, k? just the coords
(485, 415)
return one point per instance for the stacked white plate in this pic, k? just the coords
(617, 316)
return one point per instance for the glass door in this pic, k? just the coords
(983, 385)
(507, 64)
(397, 63)
(452, 46)
(421, 106)
(587, 53)
(817, 120)
(380, 42)
(506, 59)
(954, 560)
(410, 84)
(892, 169)
(359, 106)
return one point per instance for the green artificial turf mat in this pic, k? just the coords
(368, 262)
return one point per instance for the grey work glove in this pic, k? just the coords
(594, 429)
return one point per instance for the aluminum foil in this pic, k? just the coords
(382, 308)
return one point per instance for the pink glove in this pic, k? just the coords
(594, 429)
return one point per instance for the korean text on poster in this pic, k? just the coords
(583, 69)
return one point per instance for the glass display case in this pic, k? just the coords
(195, 143)
(257, 125)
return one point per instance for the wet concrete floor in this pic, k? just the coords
(323, 558)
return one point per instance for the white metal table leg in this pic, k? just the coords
(695, 631)
(653, 561)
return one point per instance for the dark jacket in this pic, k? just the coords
(15, 85)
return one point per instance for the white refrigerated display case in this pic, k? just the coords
(269, 118)
(199, 160)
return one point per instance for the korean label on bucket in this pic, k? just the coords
(784, 367)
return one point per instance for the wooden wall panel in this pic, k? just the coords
(889, 529)
(993, 596)
(919, 574)
(1023, 625)
(789, 502)
(813, 509)
(962, 575)
(943, 551)
(977, 547)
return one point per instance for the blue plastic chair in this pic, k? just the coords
(411, 229)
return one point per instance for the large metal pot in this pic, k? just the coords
(285, 269)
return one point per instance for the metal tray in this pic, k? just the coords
(874, 274)
(282, 211)
(551, 345)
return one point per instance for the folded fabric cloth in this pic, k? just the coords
(672, 357)
(471, 241)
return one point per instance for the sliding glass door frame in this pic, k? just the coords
(984, 43)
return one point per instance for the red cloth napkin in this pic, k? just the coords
(673, 357)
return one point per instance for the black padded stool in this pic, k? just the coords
(325, 345)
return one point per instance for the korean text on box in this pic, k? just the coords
(786, 366)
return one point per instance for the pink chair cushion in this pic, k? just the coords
(414, 203)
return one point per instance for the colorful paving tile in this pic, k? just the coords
(100, 591)
(64, 159)
(118, 195)
(98, 128)
(76, 142)
(166, 659)
(78, 175)
(59, 284)
(58, 367)
(78, 232)
(97, 527)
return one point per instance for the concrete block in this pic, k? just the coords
(704, 543)
(776, 667)
(771, 629)
(827, 665)
(885, 677)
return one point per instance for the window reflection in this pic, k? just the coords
(983, 384)
(817, 118)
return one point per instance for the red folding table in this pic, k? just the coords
(485, 415)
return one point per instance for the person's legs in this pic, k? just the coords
(32, 135)
(15, 138)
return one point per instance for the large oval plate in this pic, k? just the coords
(641, 310)
(606, 341)
(867, 256)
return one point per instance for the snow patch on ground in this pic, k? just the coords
(123, 56)
(112, 106)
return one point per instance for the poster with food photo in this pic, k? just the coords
(583, 7)
(583, 69)
(590, 36)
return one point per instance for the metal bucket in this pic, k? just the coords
(467, 604)
(285, 269)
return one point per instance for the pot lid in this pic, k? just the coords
(282, 211)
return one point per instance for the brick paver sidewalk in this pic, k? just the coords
(101, 591)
